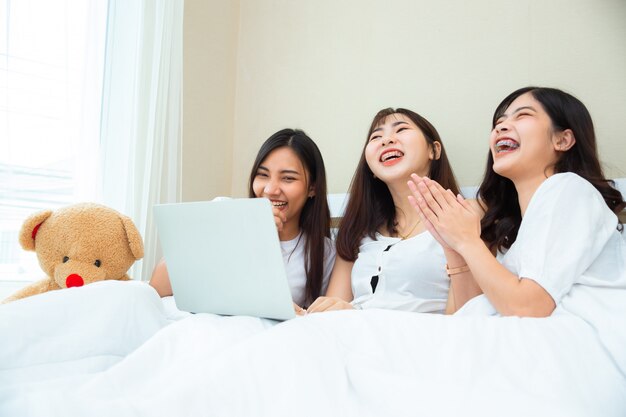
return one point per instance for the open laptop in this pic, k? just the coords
(224, 257)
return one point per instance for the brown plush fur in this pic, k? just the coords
(83, 233)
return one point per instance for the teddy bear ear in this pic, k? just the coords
(29, 229)
(134, 238)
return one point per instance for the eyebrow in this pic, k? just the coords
(518, 110)
(284, 171)
(394, 124)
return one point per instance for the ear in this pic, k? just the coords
(311, 191)
(564, 140)
(135, 243)
(29, 229)
(435, 151)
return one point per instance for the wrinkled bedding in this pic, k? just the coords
(113, 349)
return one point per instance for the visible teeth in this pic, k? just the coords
(506, 145)
(279, 203)
(389, 155)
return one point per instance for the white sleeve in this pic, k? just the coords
(329, 262)
(564, 229)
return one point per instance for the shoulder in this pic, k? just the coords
(569, 190)
(574, 199)
(568, 182)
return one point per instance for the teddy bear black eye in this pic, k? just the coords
(97, 263)
(65, 259)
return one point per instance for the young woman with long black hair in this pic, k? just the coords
(385, 260)
(551, 215)
(289, 171)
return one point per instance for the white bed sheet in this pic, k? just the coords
(365, 363)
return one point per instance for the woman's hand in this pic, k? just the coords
(452, 218)
(427, 224)
(299, 310)
(328, 304)
(279, 218)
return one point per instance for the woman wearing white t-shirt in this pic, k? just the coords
(550, 218)
(289, 171)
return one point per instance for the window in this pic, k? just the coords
(51, 59)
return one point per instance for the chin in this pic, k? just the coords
(501, 169)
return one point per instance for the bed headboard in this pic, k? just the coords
(337, 202)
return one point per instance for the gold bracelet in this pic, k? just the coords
(457, 270)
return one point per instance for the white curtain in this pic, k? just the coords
(141, 114)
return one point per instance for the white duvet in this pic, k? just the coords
(108, 349)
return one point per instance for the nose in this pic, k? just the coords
(387, 140)
(501, 127)
(271, 188)
(74, 280)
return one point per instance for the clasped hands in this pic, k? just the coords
(451, 219)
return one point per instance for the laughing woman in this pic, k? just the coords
(385, 260)
(289, 171)
(551, 218)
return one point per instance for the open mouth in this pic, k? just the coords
(391, 157)
(506, 145)
(279, 204)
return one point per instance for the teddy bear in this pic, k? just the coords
(79, 244)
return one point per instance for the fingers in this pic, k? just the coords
(427, 224)
(279, 219)
(299, 310)
(315, 306)
(430, 194)
(279, 224)
(328, 304)
(464, 203)
(442, 196)
(342, 305)
(323, 305)
(468, 206)
(417, 200)
(422, 207)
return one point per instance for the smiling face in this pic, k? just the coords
(524, 143)
(397, 148)
(282, 179)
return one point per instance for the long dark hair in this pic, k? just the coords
(315, 216)
(370, 205)
(502, 219)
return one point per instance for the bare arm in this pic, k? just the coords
(509, 294)
(339, 292)
(450, 305)
(458, 225)
(463, 286)
(160, 279)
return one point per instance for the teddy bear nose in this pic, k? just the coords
(74, 280)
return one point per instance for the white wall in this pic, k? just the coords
(327, 66)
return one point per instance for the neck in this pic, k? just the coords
(526, 189)
(406, 216)
(289, 232)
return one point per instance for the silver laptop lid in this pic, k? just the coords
(224, 257)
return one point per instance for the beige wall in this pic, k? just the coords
(327, 66)
(209, 68)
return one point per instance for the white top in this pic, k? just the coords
(411, 274)
(293, 256)
(568, 243)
